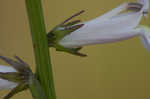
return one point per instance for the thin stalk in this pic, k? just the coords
(40, 45)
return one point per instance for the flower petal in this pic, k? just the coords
(100, 39)
(100, 31)
(111, 13)
(6, 69)
(4, 84)
(145, 37)
(145, 4)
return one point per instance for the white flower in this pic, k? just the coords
(113, 26)
(4, 84)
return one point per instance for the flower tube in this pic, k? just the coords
(113, 26)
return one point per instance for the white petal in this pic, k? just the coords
(111, 13)
(102, 31)
(6, 69)
(145, 4)
(145, 37)
(4, 84)
(100, 39)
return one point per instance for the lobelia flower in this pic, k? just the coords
(119, 24)
(17, 77)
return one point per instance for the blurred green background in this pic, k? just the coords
(111, 71)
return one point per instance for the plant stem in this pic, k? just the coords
(40, 45)
(35, 89)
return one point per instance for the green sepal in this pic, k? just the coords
(72, 23)
(17, 64)
(74, 51)
(19, 88)
(62, 30)
(12, 76)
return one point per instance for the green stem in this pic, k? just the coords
(35, 88)
(41, 50)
